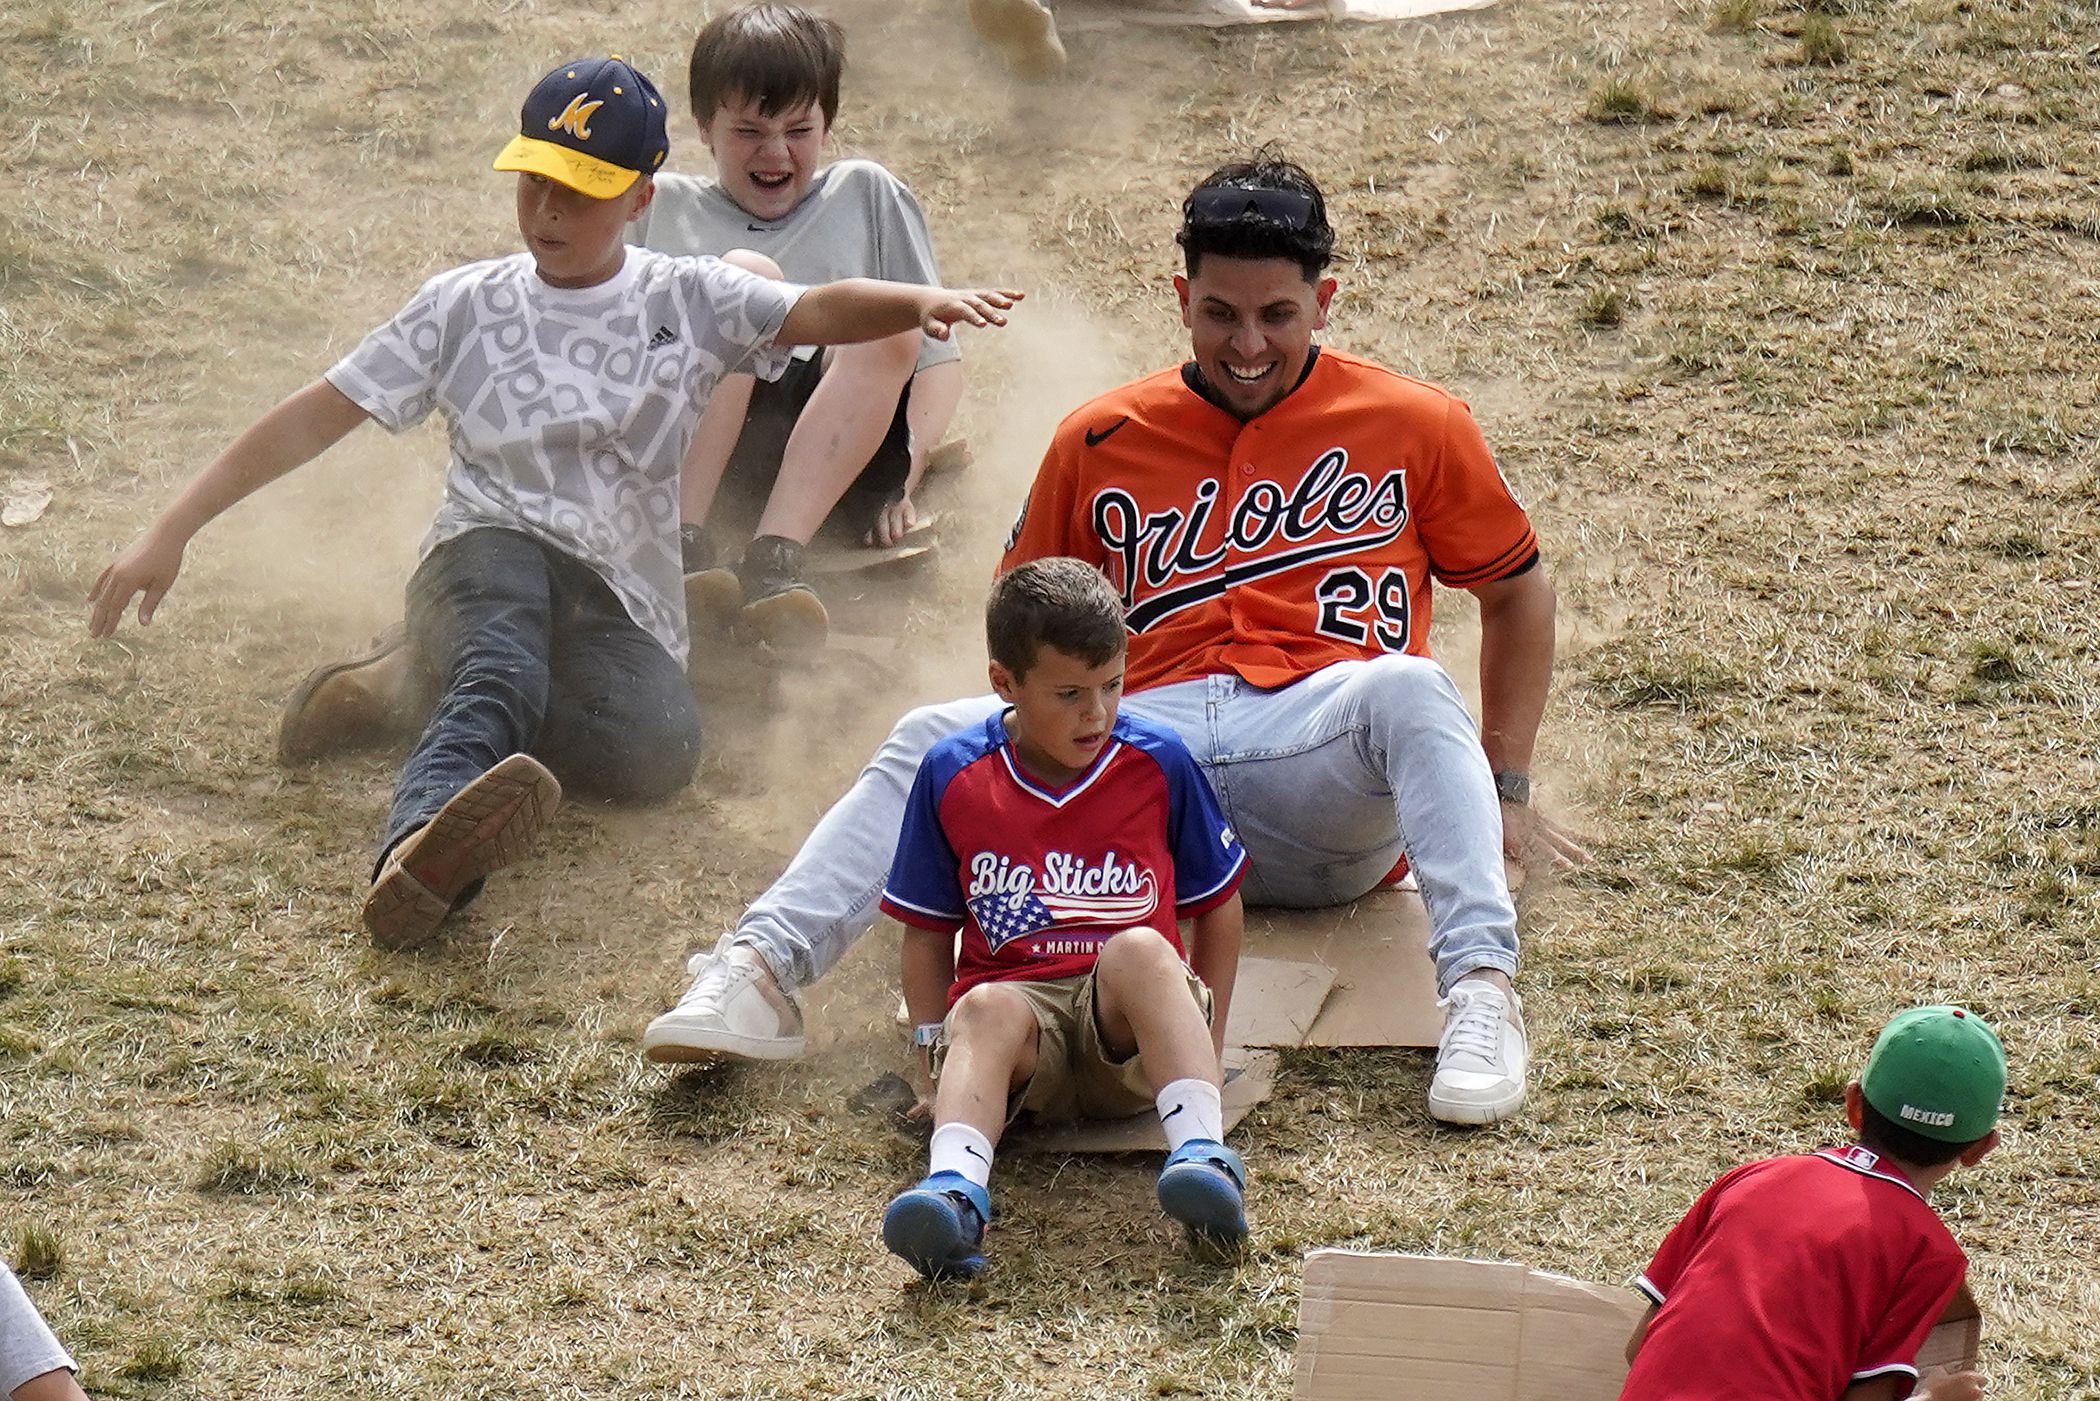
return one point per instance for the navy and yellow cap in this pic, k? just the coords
(593, 125)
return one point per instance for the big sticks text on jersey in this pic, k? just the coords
(1270, 548)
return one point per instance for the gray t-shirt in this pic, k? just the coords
(857, 220)
(569, 409)
(28, 1348)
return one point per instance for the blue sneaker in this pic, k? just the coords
(938, 1226)
(1201, 1187)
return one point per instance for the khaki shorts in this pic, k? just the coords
(1075, 1076)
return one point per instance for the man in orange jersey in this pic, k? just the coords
(1273, 513)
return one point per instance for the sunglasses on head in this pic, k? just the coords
(1229, 204)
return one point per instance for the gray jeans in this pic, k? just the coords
(1328, 781)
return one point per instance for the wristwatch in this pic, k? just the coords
(1514, 788)
(926, 1034)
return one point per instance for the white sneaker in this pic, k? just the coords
(1481, 1057)
(734, 1009)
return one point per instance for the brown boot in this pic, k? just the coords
(487, 825)
(362, 703)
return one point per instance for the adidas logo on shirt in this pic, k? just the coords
(664, 336)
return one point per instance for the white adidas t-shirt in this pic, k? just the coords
(570, 409)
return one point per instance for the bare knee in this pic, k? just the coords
(754, 262)
(1140, 952)
(992, 1014)
(891, 358)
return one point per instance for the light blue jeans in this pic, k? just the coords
(1328, 781)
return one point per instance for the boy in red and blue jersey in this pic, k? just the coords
(1816, 1277)
(1065, 843)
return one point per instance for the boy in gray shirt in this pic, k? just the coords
(839, 440)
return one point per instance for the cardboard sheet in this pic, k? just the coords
(1378, 948)
(1428, 1329)
(1954, 1341)
(1346, 975)
(1077, 16)
(1275, 1001)
(1250, 1076)
(1374, 1325)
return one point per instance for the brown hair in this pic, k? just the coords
(1892, 1140)
(780, 56)
(1057, 602)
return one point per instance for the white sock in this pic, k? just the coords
(1191, 1109)
(958, 1148)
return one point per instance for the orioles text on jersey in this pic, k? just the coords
(1273, 546)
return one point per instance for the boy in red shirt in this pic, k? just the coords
(1816, 1277)
(1065, 843)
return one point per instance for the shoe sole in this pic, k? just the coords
(793, 621)
(1457, 1111)
(657, 1046)
(926, 1233)
(299, 742)
(713, 598)
(1203, 1200)
(486, 826)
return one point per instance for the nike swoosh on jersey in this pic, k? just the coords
(1095, 439)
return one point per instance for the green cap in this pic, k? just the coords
(1937, 1071)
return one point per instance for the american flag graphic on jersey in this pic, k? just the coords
(1013, 908)
(1004, 918)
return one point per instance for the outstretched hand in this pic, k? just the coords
(1532, 840)
(968, 308)
(148, 566)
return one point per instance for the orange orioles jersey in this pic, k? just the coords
(1274, 547)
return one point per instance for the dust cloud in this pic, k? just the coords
(1052, 357)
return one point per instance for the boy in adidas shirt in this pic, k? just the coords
(1064, 842)
(837, 440)
(1816, 1277)
(548, 606)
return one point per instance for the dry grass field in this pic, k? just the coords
(1782, 320)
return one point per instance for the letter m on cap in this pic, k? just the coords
(575, 118)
